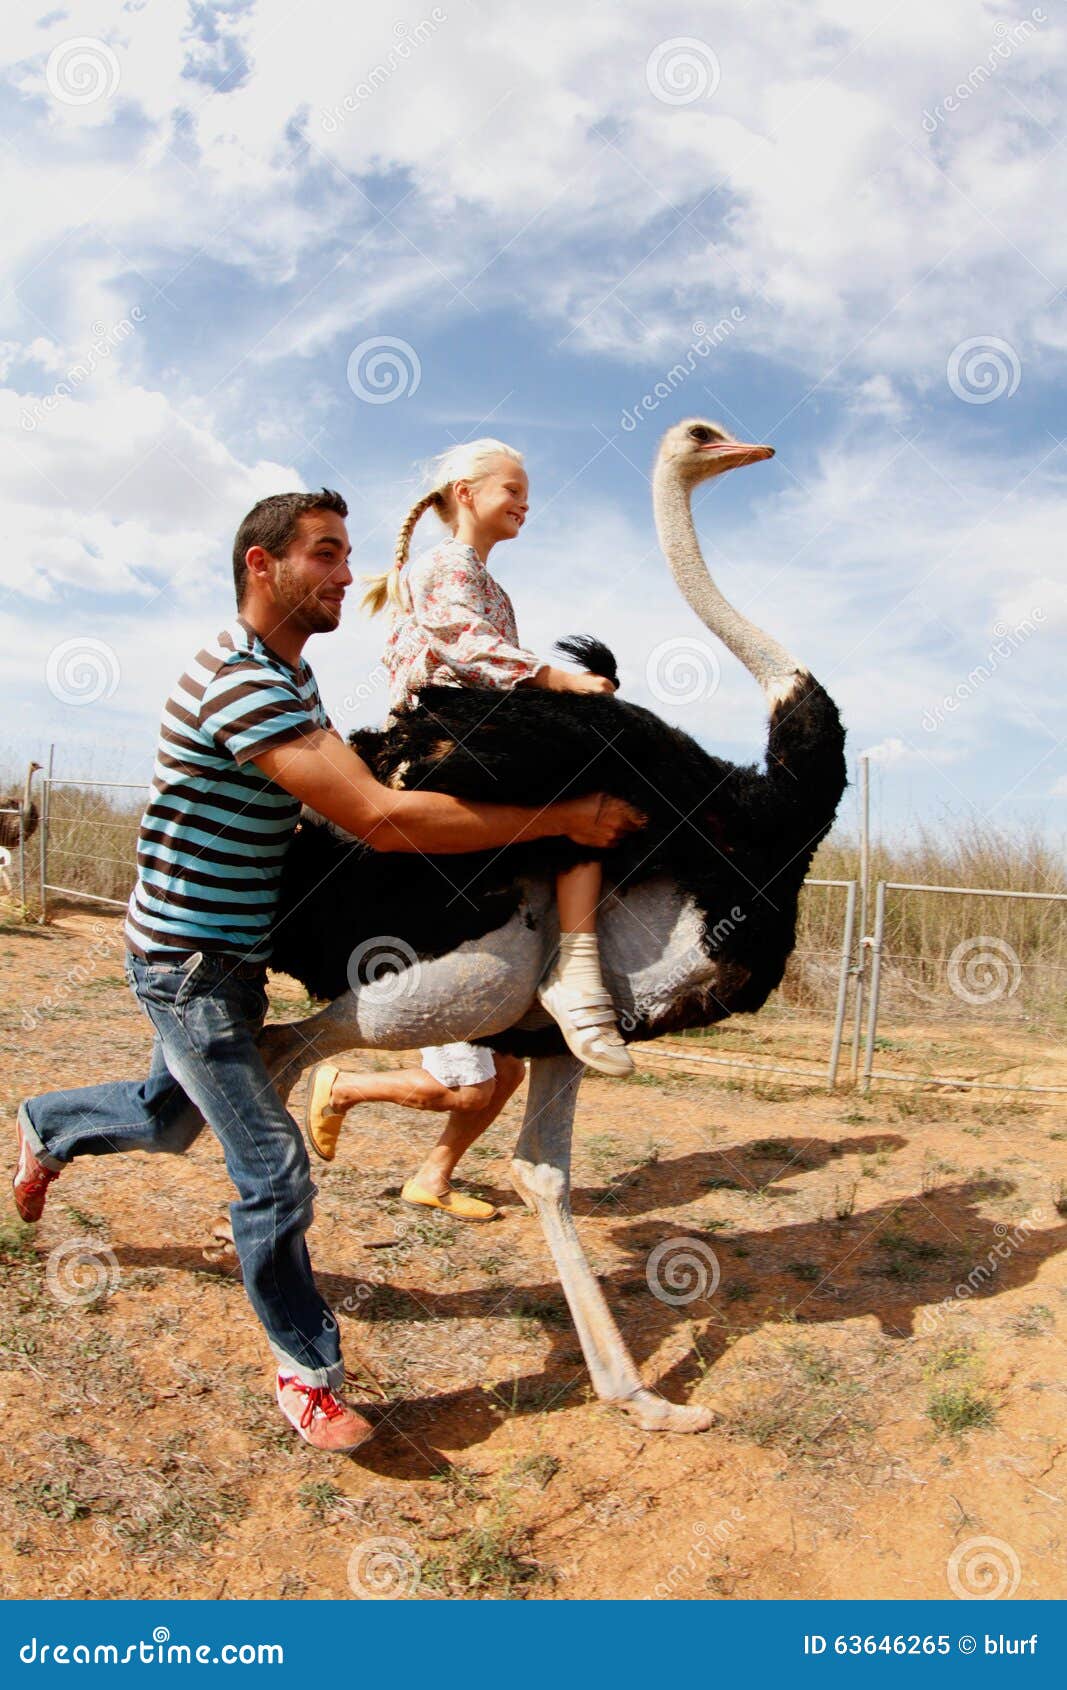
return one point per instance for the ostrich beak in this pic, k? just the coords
(731, 454)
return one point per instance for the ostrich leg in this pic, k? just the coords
(541, 1173)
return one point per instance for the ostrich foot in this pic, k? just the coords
(656, 1414)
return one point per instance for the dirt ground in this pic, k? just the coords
(874, 1310)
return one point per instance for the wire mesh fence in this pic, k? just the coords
(973, 979)
(958, 985)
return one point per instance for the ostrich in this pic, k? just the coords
(697, 925)
(24, 824)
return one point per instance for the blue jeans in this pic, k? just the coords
(205, 1067)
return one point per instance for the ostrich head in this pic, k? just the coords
(695, 450)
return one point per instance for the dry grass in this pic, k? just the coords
(92, 846)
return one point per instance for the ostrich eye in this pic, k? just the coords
(701, 433)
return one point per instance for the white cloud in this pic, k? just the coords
(118, 493)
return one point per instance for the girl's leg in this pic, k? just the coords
(578, 897)
(574, 992)
(457, 1088)
(465, 1125)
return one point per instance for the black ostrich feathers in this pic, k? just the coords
(737, 839)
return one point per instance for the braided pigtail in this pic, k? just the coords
(387, 588)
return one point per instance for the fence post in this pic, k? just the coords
(46, 799)
(865, 886)
(842, 982)
(876, 983)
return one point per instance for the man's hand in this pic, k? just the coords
(601, 821)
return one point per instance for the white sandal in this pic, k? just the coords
(589, 1026)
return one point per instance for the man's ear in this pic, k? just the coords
(257, 563)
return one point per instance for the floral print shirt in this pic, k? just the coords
(460, 631)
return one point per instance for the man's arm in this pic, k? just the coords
(326, 774)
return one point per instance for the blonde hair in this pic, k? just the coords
(468, 462)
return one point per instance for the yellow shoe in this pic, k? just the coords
(321, 1123)
(453, 1203)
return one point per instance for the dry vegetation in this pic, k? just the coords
(92, 844)
(872, 1418)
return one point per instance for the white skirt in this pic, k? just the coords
(459, 1064)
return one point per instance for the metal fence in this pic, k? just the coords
(49, 850)
(983, 971)
(853, 960)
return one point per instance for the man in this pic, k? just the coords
(244, 741)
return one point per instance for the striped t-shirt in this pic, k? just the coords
(215, 832)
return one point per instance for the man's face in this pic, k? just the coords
(309, 582)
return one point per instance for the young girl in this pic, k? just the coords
(453, 625)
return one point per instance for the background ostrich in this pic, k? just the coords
(698, 923)
(24, 825)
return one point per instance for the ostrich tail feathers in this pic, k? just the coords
(591, 654)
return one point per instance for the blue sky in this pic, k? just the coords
(209, 208)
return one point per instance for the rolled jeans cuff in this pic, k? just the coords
(331, 1378)
(33, 1138)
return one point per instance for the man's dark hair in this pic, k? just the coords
(272, 524)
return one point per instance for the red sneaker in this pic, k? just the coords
(31, 1180)
(322, 1418)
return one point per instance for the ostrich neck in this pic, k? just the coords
(28, 793)
(764, 658)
